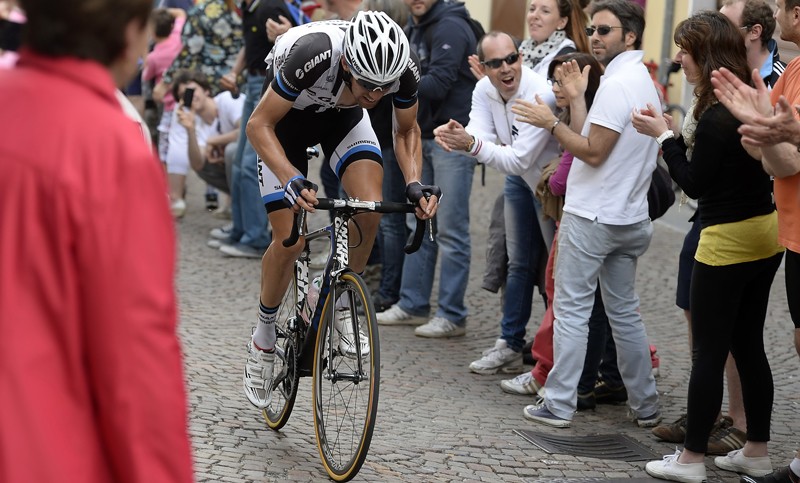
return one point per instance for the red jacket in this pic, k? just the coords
(91, 382)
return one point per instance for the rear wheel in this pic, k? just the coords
(346, 378)
(286, 376)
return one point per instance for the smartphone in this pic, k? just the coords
(188, 97)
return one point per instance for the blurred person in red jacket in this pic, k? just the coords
(91, 382)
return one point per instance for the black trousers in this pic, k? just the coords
(729, 305)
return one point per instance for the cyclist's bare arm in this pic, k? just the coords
(408, 149)
(261, 133)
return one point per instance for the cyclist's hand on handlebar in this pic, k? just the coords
(300, 193)
(425, 197)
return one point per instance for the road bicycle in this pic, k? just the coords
(333, 339)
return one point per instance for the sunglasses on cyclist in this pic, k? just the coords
(601, 29)
(369, 85)
(496, 63)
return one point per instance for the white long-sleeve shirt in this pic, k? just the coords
(524, 149)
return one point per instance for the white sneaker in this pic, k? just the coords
(498, 358)
(344, 330)
(258, 376)
(748, 465)
(178, 208)
(668, 468)
(394, 315)
(523, 384)
(222, 233)
(439, 327)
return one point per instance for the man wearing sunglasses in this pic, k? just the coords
(605, 226)
(523, 152)
(321, 78)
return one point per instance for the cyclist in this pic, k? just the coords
(321, 78)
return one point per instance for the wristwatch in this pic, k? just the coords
(470, 144)
(668, 134)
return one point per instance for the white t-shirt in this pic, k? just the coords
(615, 193)
(229, 111)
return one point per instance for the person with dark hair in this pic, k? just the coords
(321, 78)
(523, 152)
(203, 135)
(167, 27)
(737, 256)
(211, 38)
(92, 377)
(566, 90)
(605, 227)
(756, 23)
(772, 135)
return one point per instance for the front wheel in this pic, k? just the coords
(346, 377)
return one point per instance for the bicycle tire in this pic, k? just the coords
(287, 377)
(344, 407)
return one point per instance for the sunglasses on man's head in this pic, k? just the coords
(601, 29)
(496, 63)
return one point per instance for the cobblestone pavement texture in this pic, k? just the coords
(437, 421)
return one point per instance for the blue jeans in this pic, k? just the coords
(524, 246)
(392, 232)
(588, 251)
(452, 172)
(247, 210)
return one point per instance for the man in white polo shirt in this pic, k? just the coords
(605, 227)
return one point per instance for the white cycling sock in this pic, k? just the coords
(264, 336)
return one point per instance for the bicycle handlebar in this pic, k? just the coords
(361, 206)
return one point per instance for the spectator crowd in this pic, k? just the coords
(570, 115)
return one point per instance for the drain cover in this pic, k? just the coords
(602, 446)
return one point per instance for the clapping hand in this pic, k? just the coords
(452, 136)
(536, 113)
(475, 67)
(648, 122)
(574, 81)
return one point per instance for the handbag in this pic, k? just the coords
(660, 195)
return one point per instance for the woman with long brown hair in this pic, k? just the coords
(737, 256)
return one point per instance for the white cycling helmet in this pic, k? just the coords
(375, 48)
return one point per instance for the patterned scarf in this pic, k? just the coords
(533, 53)
(688, 131)
(688, 128)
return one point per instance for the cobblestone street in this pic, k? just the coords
(437, 421)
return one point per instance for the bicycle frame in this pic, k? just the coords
(339, 234)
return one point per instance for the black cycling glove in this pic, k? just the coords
(291, 192)
(415, 191)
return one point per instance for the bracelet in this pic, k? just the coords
(553, 129)
(668, 134)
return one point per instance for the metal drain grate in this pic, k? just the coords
(602, 446)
